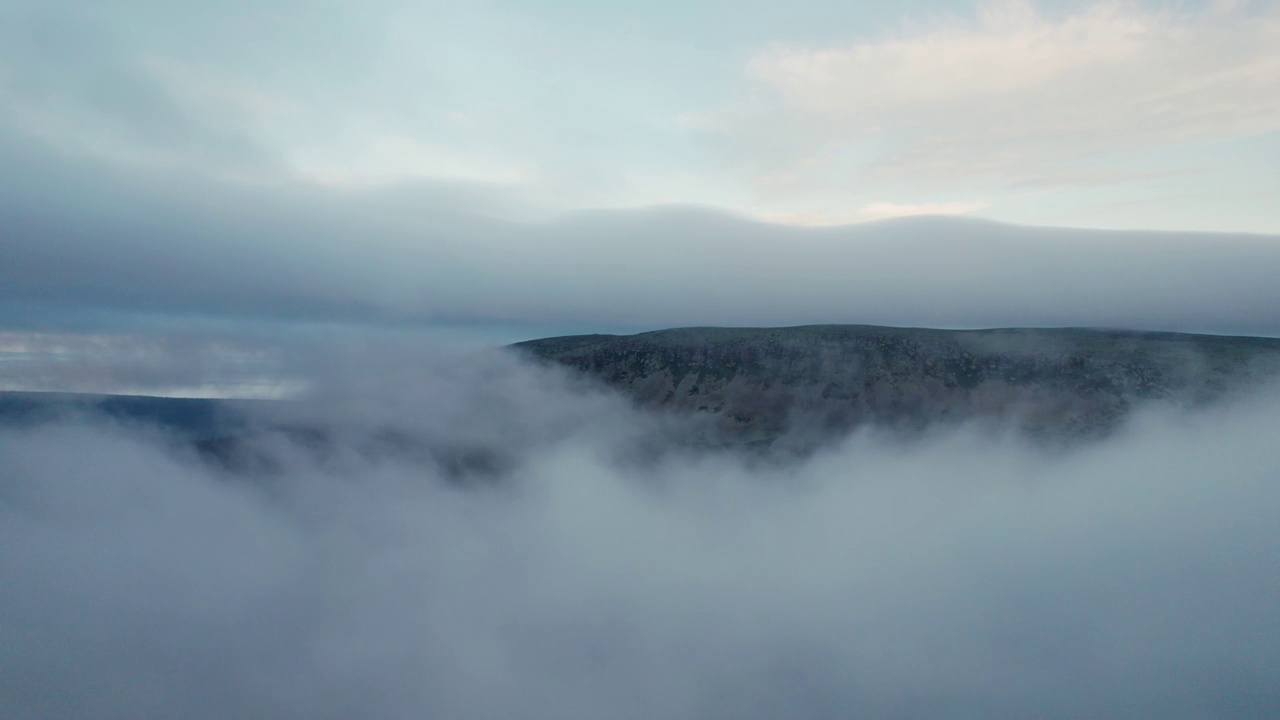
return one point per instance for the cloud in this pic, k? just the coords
(869, 212)
(75, 82)
(191, 361)
(347, 577)
(389, 160)
(85, 242)
(277, 92)
(885, 210)
(1000, 106)
(1017, 95)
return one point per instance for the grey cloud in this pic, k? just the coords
(955, 576)
(83, 237)
(73, 77)
(266, 89)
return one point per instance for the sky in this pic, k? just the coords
(229, 175)
(1137, 115)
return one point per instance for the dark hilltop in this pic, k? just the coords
(759, 385)
(769, 389)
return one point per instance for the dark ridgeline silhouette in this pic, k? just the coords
(760, 385)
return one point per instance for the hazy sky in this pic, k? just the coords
(507, 171)
(1152, 115)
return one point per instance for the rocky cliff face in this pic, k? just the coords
(760, 385)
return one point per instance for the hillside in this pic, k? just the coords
(758, 385)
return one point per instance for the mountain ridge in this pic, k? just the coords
(758, 385)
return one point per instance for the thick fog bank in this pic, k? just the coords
(84, 240)
(963, 575)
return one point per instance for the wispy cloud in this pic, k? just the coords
(1012, 102)
(827, 217)
(1019, 95)
(886, 210)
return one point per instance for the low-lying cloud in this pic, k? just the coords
(82, 240)
(956, 576)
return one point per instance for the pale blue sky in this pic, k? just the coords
(1151, 115)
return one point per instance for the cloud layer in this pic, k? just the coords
(1142, 114)
(83, 240)
(958, 575)
(1025, 97)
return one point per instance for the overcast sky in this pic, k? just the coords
(1151, 115)
(509, 170)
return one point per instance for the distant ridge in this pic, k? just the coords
(191, 416)
(757, 385)
(789, 388)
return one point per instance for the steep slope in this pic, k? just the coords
(758, 385)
